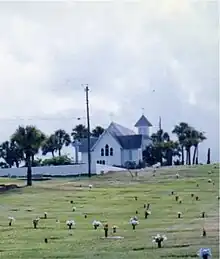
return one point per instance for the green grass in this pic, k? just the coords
(112, 200)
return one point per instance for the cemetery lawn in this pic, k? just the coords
(112, 200)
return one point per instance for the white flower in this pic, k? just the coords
(74, 208)
(148, 212)
(134, 221)
(159, 238)
(70, 223)
(180, 213)
(96, 223)
(90, 186)
(11, 218)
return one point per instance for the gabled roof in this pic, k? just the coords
(83, 147)
(130, 141)
(119, 130)
(143, 122)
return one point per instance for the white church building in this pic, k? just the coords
(117, 145)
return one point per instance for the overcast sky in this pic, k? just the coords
(124, 52)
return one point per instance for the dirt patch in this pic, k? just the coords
(8, 187)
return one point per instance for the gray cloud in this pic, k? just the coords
(123, 51)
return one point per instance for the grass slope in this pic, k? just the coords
(112, 200)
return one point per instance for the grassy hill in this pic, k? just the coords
(112, 200)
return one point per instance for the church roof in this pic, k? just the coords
(83, 147)
(119, 130)
(130, 141)
(143, 122)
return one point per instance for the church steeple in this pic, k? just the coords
(143, 126)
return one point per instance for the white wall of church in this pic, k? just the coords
(107, 139)
(143, 131)
(131, 155)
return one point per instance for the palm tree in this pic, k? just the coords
(97, 131)
(11, 153)
(180, 131)
(164, 147)
(79, 132)
(197, 137)
(61, 138)
(50, 145)
(29, 139)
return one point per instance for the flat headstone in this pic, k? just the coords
(113, 237)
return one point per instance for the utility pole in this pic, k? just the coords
(88, 129)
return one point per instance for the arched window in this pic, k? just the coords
(103, 162)
(97, 161)
(111, 151)
(102, 152)
(106, 150)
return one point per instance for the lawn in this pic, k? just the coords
(112, 200)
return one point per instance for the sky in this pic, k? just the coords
(160, 56)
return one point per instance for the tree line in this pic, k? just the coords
(26, 142)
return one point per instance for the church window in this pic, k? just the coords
(103, 162)
(97, 161)
(111, 151)
(106, 150)
(102, 152)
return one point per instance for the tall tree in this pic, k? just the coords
(209, 156)
(180, 131)
(11, 153)
(29, 139)
(97, 131)
(50, 145)
(197, 137)
(79, 132)
(62, 139)
(162, 147)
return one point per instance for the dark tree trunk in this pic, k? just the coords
(29, 172)
(17, 164)
(194, 154)
(189, 156)
(208, 157)
(59, 152)
(52, 153)
(183, 158)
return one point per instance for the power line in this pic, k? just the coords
(42, 118)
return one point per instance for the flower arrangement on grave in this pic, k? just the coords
(96, 224)
(159, 239)
(209, 180)
(177, 175)
(90, 186)
(134, 222)
(106, 229)
(74, 209)
(179, 214)
(11, 219)
(114, 229)
(70, 223)
(204, 253)
(36, 222)
(203, 214)
(204, 232)
(147, 213)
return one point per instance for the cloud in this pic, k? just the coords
(123, 51)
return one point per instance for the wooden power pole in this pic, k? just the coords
(88, 129)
